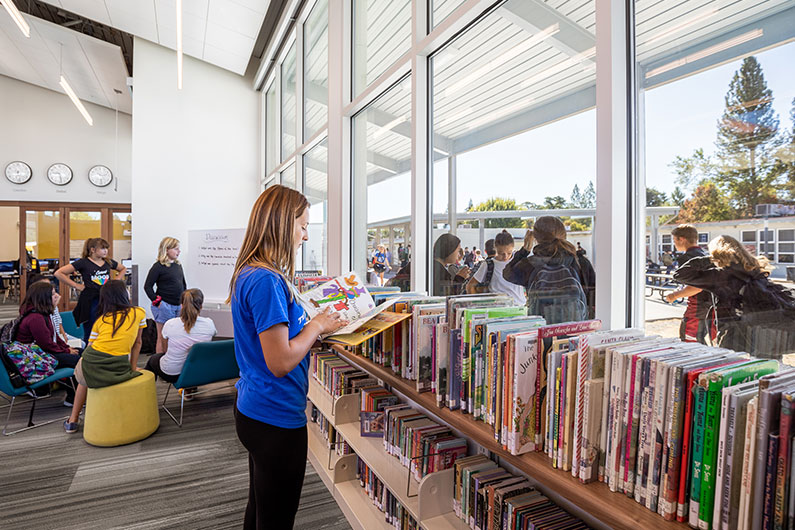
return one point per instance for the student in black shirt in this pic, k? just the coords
(446, 252)
(698, 322)
(95, 269)
(167, 275)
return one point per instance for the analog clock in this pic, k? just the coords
(59, 174)
(18, 172)
(100, 176)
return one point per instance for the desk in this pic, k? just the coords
(10, 285)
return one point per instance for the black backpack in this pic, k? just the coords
(555, 292)
(8, 332)
(483, 287)
(760, 295)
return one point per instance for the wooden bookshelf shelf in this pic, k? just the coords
(615, 510)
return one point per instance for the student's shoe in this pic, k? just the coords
(188, 393)
(70, 428)
(67, 403)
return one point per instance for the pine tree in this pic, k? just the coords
(678, 196)
(576, 197)
(746, 141)
(787, 156)
(589, 196)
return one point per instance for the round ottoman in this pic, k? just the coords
(123, 413)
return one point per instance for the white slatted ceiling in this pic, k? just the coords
(92, 67)
(443, 8)
(388, 34)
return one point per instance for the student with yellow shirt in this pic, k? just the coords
(111, 356)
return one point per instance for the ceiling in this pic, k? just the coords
(93, 67)
(220, 32)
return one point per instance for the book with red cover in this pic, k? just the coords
(684, 473)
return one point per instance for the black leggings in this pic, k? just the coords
(276, 467)
(153, 365)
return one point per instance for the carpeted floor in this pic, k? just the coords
(194, 477)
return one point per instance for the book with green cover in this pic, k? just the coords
(714, 382)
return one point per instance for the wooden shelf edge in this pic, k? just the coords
(614, 510)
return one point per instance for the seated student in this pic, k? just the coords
(57, 320)
(36, 327)
(698, 323)
(179, 335)
(111, 356)
(503, 245)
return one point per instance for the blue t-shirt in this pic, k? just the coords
(261, 300)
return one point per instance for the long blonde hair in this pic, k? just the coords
(550, 235)
(725, 251)
(166, 244)
(192, 301)
(269, 242)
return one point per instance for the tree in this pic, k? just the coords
(655, 197)
(498, 204)
(469, 206)
(678, 196)
(589, 196)
(787, 157)
(707, 204)
(747, 140)
(692, 170)
(554, 203)
(576, 197)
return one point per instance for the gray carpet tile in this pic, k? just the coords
(194, 477)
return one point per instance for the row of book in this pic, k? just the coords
(334, 440)
(337, 376)
(487, 497)
(394, 512)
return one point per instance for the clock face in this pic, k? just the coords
(59, 174)
(100, 176)
(18, 172)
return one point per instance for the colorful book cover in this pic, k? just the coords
(746, 486)
(442, 360)
(592, 402)
(524, 383)
(782, 463)
(425, 320)
(568, 427)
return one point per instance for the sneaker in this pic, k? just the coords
(70, 428)
(187, 393)
(67, 403)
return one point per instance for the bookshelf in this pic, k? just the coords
(429, 501)
(612, 509)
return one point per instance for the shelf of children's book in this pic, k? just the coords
(342, 409)
(358, 508)
(448, 521)
(615, 510)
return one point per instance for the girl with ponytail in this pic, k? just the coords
(179, 334)
(546, 253)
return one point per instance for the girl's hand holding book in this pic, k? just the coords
(328, 321)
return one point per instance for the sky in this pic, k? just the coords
(680, 117)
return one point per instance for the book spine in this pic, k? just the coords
(732, 468)
(711, 425)
(670, 483)
(766, 411)
(579, 405)
(782, 464)
(684, 470)
(791, 500)
(539, 400)
(725, 442)
(556, 418)
(700, 398)
(658, 426)
(743, 520)
(645, 430)
(768, 508)
(605, 419)
(569, 416)
(628, 465)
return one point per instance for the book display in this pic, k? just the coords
(627, 429)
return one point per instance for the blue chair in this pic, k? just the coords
(8, 389)
(70, 326)
(207, 362)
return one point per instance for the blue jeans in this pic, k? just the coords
(165, 312)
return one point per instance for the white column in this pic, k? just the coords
(611, 243)
(420, 208)
(452, 194)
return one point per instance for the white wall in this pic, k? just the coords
(195, 151)
(41, 127)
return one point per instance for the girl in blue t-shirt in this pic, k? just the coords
(272, 340)
(380, 264)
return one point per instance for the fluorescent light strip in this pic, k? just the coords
(179, 44)
(740, 39)
(17, 17)
(561, 66)
(466, 81)
(686, 24)
(79, 104)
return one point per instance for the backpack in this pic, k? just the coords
(149, 337)
(26, 363)
(555, 293)
(483, 287)
(8, 332)
(759, 295)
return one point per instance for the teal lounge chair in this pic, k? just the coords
(13, 393)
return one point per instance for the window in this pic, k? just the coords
(440, 9)
(786, 245)
(315, 253)
(381, 188)
(381, 35)
(510, 101)
(666, 243)
(316, 69)
(288, 177)
(289, 130)
(272, 158)
(714, 112)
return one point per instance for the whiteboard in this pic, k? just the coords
(211, 261)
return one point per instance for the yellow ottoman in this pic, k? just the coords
(123, 413)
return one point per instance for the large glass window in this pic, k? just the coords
(381, 193)
(715, 102)
(288, 177)
(315, 253)
(316, 69)
(381, 35)
(289, 129)
(514, 134)
(272, 158)
(440, 9)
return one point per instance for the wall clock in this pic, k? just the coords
(18, 172)
(59, 174)
(100, 176)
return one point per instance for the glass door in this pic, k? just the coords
(9, 259)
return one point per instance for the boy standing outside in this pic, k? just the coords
(698, 322)
(490, 271)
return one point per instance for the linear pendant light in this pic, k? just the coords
(71, 93)
(16, 16)
(179, 44)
